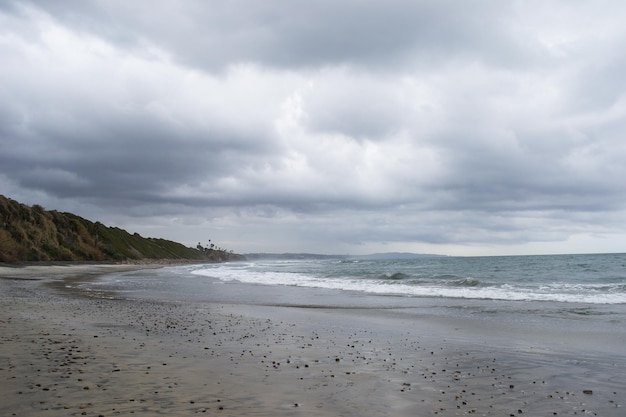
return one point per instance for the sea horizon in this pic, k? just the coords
(402, 254)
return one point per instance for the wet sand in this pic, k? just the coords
(63, 353)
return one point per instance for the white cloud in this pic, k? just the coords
(478, 128)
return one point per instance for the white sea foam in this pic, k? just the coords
(468, 288)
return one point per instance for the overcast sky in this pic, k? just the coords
(453, 127)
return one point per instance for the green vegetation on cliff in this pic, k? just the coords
(33, 234)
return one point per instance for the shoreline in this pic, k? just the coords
(65, 269)
(64, 353)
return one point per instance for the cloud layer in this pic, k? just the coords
(472, 128)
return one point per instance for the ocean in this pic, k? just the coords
(587, 289)
(594, 279)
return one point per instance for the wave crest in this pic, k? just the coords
(395, 276)
(465, 282)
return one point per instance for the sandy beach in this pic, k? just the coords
(66, 353)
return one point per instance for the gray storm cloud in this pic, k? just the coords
(331, 127)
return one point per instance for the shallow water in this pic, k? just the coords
(584, 291)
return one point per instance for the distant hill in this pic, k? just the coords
(292, 256)
(30, 234)
(397, 255)
(296, 256)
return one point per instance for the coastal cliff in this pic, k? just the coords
(30, 234)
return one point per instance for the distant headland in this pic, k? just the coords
(296, 256)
